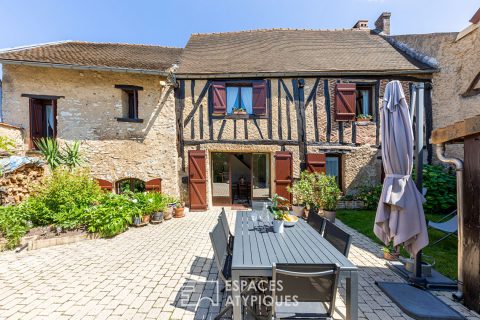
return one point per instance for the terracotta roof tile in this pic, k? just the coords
(110, 55)
(292, 50)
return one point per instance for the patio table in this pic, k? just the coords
(257, 247)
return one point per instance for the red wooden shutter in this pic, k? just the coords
(105, 184)
(316, 162)
(197, 182)
(219, 96)
(283, 173)
(154, 185)
(259, 97)
(37, 121)
(54, 110)
(345, 99)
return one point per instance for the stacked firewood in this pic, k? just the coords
(15, 186)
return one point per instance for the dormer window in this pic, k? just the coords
(129, 103)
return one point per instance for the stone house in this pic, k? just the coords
(115, 98)
(241, 117)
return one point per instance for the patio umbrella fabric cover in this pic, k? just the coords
(400, 215)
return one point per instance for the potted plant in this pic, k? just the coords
(137, 220)
(328, 195)
(363, 119)
(179, 210)
(390, 253)
(302, 191)
(239, 111)
(157, 206)
(279, 210)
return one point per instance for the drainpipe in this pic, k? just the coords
(440, 150)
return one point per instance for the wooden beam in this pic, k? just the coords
(457, 131)
(312, 92)
(336, 146)
(269, 106)
(315, 116)
(210, 112)
(222, 127)
(179, 107)
(235, 129)
(41, 97)
(326, 94)
(377, 113)
(258, 128)
(200, 120)
(354, 132)
(340, 132)
(245, 127)
(287, 92)
(128, 87)
(279, 96)
(197, 103)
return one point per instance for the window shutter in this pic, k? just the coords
(259, 98)
(154, 185)
(219, 96)
(105, 184)
(316, 162)
(345, 99)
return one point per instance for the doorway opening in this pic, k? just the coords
(239, 178)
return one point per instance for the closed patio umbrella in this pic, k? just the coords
(400, 215)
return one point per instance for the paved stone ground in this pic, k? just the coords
(151, 273)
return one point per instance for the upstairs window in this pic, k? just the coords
(364, 101)
(129, 103)
(239, 98)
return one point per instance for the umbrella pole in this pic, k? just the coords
(417, 278)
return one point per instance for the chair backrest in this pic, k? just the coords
(307, 282)
(219, 244)
(224, 221)
(315, 221)
(337, 237)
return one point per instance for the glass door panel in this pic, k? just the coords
(261, 175)
(220, 178)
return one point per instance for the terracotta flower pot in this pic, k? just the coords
(168, 213)
(179, 212)
(390, 256)
(146, 219)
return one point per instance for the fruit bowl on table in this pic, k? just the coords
(290, 220)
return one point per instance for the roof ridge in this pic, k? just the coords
(277, 29)
(125, 44)
(32, 46)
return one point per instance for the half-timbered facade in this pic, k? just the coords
(258, 107)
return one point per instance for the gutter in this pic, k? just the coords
(360, 74)
(81, 67)
(440, 150)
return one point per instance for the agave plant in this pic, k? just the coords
(71, 156)
(48, 147)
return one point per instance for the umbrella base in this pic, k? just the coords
(436, 282)
(417, 303)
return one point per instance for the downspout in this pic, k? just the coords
(440, 150)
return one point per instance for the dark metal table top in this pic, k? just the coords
(257, 247)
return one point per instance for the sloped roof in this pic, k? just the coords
(88, 54)
(291, 50)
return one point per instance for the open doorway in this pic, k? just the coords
(238, 178)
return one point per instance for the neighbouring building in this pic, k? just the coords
(239, 119)
(456, 88)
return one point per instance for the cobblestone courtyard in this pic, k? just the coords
(147, 273)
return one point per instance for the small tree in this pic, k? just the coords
(69, 155)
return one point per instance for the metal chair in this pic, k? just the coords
(315, 221)
(313, 285)
(337, 237)
(222, 218)
(449, 227)
(223, 260)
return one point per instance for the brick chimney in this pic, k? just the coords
(382, 25)
(361, 24)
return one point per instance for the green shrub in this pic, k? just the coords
(441, 189)
(316, 189)
(370, 195)
(329, 192)
(13, 224)
(111, 215)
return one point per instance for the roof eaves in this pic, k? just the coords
(83, 67)
(411, 72)
(20, 48)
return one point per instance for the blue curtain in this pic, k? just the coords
(365, 101)
(332, 167)
(232, 98)
(247, 99)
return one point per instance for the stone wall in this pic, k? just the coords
(114, 150)
(459, 63)
(17, 134)
(16, 185)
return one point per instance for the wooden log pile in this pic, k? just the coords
(15, 186)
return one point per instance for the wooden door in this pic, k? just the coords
(316, 162)
(197, 182)
(283, 173)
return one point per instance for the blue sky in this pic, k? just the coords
(170, 22)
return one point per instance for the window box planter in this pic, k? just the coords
(240, 112)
